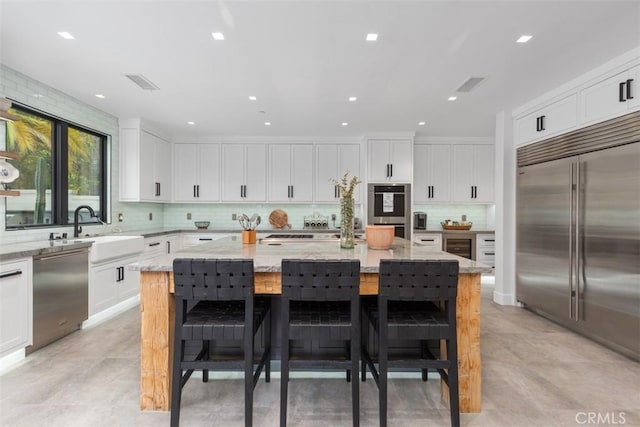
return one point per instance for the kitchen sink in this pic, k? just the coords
(105, 248)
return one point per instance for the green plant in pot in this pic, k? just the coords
(347, 186)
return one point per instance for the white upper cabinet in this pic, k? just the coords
(473, 173)
(145, 165)
(550, 120)
(390, 160)
(332, 162)
(244, 172)
(610, 97)
(196, 172)
(290, 172)
(431, 173)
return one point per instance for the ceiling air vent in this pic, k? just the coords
(142, 81)
(470, 84)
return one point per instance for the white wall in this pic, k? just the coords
(505, 287)
(21, 88)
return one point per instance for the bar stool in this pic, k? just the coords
(416, 301)
(215, 301)
(321, 301)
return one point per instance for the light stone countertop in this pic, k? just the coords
(268, 257)
(40, 247)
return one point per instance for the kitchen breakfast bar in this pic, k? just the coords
(157, 303)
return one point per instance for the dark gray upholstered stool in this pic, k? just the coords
(416, 301)
(215, 301)
(321, 301)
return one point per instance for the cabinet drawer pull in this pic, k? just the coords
(154, 244)
(10, 274)
(489, 253)
(205, 238)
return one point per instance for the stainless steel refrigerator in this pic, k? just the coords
(578, 233)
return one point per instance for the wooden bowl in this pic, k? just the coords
(379, 236)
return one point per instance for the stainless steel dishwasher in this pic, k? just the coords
(60, 295)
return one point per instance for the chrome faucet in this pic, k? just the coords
(77, 229)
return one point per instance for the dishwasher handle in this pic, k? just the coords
(59, 255)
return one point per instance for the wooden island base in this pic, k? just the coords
(157, 308)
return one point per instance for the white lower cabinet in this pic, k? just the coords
(433, 240)
(16, 305)
(195, 239)
(111, 283)
(486, 249)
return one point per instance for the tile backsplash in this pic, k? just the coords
(175, 215)
(480, 215)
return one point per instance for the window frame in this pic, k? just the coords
(60, 170)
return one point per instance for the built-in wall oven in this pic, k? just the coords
(390, 204)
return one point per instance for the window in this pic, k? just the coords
(62, 166)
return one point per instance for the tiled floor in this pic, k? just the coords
(534, 374)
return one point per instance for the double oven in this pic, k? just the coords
(390, 204)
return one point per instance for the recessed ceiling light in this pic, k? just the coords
(252, 98)
(65, 35)
(353, 99)
(99, 95)
(267, 123)
(345, 124)
(371, 37)
(452, 98)
(524, 39)
(191, 123)
(422, 123)
(218, 36)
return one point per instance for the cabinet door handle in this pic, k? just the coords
(194, 191)
(542, 122)
(242, 191)
(292, 191)
(11, 274)
(621, 92)
(198, 190)
(537, 124)
(391, 175)
(168, 246)
(472, 191)
(629, 95)
(387, 175)
(245, 190)
(157, 188)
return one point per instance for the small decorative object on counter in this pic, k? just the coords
(380, 236)
(249, 227)
(346, 186)
(202, 225)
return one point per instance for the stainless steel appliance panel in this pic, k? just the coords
(544, 238)
(390, 204)
(60, 295)
(609, 253)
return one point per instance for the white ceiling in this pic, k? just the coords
(303, 59)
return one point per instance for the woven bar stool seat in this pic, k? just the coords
(215, 302)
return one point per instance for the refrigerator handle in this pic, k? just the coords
(578, 250)
(572, 188)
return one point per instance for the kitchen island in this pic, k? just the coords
(157, 303)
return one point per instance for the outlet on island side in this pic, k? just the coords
(234, 217)
(333, 217)
(120, 217)
(150, 216)
(189, 215)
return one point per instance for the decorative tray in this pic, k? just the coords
(456, 227)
